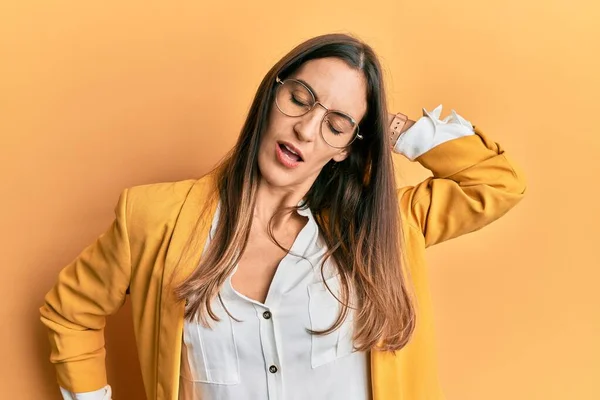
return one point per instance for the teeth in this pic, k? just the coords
(291, 151)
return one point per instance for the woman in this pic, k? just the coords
(295, 270)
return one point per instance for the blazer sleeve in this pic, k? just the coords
(91, 287)
(473, 183)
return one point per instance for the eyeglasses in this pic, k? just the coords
(295, 99)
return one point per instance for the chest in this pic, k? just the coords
(262, 256)
(256, 346)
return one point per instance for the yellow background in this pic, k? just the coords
(98, 96)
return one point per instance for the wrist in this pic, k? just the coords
(398, 125)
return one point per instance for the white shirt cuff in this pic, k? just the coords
(429, 131)
(101, 394)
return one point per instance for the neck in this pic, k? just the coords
(270, 199)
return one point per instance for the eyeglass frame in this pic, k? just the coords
(357, 135)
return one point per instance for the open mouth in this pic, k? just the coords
(290, 153)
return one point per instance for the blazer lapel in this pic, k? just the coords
(192, 228)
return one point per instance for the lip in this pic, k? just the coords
(294, 148)
(284, 159)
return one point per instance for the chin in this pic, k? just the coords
(274, 175)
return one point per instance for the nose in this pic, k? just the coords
(307, 127)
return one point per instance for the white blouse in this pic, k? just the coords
(269, 354)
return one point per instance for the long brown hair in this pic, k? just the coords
(354, 203)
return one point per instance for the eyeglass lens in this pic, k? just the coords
(294, 99)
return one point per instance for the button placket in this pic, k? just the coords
(269, 347)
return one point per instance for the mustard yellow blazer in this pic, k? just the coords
(473, 184)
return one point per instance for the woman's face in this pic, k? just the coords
(338, 87)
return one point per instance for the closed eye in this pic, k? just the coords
(332, 129)
(298, 102)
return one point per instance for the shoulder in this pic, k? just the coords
(158, 195)
(158, 203)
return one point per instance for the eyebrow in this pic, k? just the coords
(310, 87)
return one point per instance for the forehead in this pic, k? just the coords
(337, 85)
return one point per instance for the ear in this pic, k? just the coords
(342, 155)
